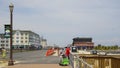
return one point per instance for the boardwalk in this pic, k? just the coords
(35, 59)
(37, 66)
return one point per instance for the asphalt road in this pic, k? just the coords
(36, 57)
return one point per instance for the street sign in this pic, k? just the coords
(7, 31)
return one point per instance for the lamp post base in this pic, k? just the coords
(10, 62)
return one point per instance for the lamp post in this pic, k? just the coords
(10, 62)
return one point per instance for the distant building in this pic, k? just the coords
(43, 42)
(83, 43)
(4, 42)
(25, 39)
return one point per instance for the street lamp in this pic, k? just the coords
(10, 62)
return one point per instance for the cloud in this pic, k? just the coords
(65, 18)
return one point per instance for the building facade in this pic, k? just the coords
(25, 39)
(4, 42)
(21, 38)
(83, 43)
(44, 43)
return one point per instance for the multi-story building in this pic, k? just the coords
(25, 39)
(83, 43)
(21, 38)
(4, 42)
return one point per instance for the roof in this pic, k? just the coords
(82, 38)
(28, 31)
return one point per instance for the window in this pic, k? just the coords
(25, 37)
(21, 37)
(17, 37)
(6, 41)
(2, 41)
(7, 45)
(21, 33)
(21, 41)
(17, 41)
(25, 33)
(17, 33)
(25, 41)
(2, 45)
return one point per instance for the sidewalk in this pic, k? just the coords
(3, 64)
(37, 66)
(3, 61)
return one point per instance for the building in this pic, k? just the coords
(4, 42)
(25, 39)
(83, 43)
(21, 38)
(43, 42)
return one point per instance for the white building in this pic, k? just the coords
(4, 42)
(21, 38)
(25, 39)
(43, 42)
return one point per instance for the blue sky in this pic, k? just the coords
(59, 21)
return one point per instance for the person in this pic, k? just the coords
(64, 61)
(67, 52)
(61, 53)
(4, 53)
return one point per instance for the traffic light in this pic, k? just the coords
(7, 31)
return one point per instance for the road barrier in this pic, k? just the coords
(49, 52)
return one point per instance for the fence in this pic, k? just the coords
(77, 62)
(94, 61)
(102, 61)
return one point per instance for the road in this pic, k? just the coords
(36, 57)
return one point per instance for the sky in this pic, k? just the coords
(59, 21)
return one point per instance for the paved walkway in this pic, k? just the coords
(34, 59)
(37, 66)
(3, 64)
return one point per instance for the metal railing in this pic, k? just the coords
(71, 60)
(77, 62)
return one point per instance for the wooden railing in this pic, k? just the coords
(80, 63)
(115, 63)
(94, 61)
(77, 62)
(102, 61)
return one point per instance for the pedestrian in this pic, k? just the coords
(61, 53)
(67, 52)
(4, 53)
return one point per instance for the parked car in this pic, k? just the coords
(94, 52)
